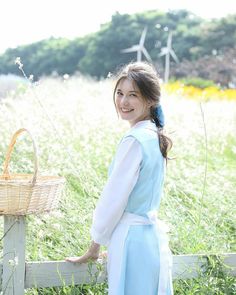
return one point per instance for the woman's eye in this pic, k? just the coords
(133, 95)
(119, 93)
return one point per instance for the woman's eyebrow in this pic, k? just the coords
(130, 91)
(118, 89)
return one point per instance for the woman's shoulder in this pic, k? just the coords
(142, 134)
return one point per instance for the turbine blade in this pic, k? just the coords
(131, 49)
(148, 57)
(169, 40)
(172, 53)
(143, 36)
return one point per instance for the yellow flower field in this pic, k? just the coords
(195, 93)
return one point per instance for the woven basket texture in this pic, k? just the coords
(22, 194)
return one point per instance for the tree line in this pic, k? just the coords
(195, 41)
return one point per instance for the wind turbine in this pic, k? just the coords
(168, 51)
(139, 48)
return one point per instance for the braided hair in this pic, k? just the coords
(165, 142)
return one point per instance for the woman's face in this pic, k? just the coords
(130, 104)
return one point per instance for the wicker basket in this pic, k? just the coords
(22, 194)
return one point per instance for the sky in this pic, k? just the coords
(27, 21)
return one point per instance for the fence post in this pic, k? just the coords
(13, 276)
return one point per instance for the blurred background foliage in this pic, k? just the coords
(206, 49)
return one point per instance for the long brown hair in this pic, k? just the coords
(146, 79)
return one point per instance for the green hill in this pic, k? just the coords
(99, 53)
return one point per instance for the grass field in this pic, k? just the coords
(77, 130)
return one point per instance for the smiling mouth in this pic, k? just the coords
(126, 110)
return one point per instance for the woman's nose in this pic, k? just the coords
(124, 100)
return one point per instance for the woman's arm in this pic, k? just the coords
(116, 192)
(114, 196)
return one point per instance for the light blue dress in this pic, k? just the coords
(139, 259)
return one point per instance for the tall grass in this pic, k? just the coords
(198, 204)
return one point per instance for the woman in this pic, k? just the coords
(139, 259)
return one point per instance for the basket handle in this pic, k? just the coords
(10, 149)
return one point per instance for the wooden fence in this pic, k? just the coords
(17, 275)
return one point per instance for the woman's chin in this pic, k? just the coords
(125, 117)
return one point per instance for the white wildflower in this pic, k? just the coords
(109, 75)
(31, 77)
(66, 76)
(18, 62)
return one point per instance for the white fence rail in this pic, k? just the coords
(16, 274)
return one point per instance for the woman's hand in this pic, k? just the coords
(91, 254)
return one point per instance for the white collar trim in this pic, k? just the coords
(145, 124)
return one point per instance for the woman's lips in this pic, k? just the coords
(126, 110)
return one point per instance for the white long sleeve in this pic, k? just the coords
(116, 192)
